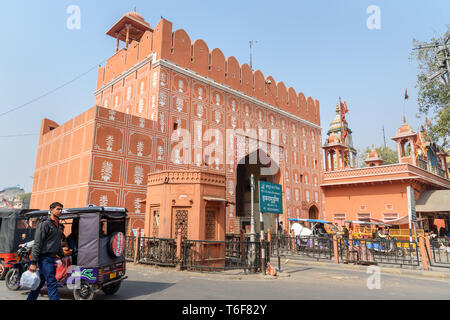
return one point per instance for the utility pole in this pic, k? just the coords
(443, 57)
(252, 223)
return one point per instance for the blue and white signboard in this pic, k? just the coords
(270, 197)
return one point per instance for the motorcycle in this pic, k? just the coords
(13, 275)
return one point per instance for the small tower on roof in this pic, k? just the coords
(373, 159)
(338, 147)
(131, 26)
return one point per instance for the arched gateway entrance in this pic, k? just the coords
(313, 212)
(254, 163)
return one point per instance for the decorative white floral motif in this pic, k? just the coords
(288, 194)
(177, 156)
(231, 165)
(233, 105)
(127, 111)
(217, 116)
(217, 99)
(153, 116)
(200, 93)
(287, 176)
(199, 132)
(161, 121)
(178, 127)
(112, 115)
(153, 101)
(109, 142)
(116, 102)
(198, 159)
(296, 177)
(162, 81)
(233, 122)
(106, 103)
(216, 160)
(246, 111)
(107, 170)
(162, 99)
(180, 85)
(231, 188)
(260, 115)
(141, 105)
(140, 148)
(103, 201)
(296, 195)
(137, 205)
(307, 196)
(180, 104)
(283, 124)
(304, 145)
(155, 79)
(293, 128)
(247, 126)
(272, 120)
(142, 87)
(284, 138)
(160, 152)
(199, 110)
(138, 175)
(128, 93)
(142, 122)
(295, 141)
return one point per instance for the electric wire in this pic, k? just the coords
(51, 91)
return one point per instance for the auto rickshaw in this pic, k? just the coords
(99, 263)
(15, 228)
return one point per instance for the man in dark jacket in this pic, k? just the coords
(47, 246)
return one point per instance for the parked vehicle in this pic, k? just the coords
(99, 251)
(15, 228)
(12, 279)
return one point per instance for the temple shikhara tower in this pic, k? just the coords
(377, 192)
(174, 134)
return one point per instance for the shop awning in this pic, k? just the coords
(434, 201)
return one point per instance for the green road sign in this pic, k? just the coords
(270, 197)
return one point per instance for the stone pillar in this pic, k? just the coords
(117, 44)
(335, 249)
(423, 253)
(413, 151)
(399, 151)
(128, 34)
(137, 245)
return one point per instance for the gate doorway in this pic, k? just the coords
(252, 164)
(313, 213)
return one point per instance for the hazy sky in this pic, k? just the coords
(321, 48)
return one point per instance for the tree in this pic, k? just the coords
(388, 155)
(433, 83)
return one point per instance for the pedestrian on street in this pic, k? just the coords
(46, 248)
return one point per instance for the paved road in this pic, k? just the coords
(296, 283)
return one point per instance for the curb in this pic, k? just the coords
(422, 273)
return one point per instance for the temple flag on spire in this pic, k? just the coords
(344, 109)
(406, 94)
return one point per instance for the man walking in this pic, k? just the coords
(47, 245)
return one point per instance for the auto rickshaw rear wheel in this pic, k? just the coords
(111, 289)
(13, 279)
(84, 291)
(3, 270)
